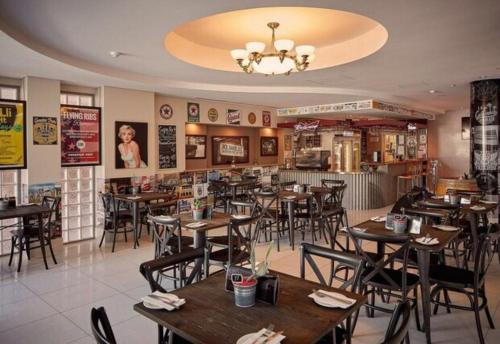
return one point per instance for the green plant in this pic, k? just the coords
(197, 204)
(263, 267)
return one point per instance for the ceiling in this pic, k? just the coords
(439, 45)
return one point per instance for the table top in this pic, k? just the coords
(218, 220)
(465, 208)
(444, 237)
(143, 197)
(23, 210)
(299, 196)
(237, 183)
(210, 315)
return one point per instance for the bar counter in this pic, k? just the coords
(365, 190)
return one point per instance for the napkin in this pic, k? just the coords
(257, 340)
(165, 217)
(477, 207)
(171, 297)
(195, 224)
(437, 197)
(240, 216)
(289, 197)
(133, 197)
(329, 302)
(359, 229)
(379, 218)
(425, 241)
(446, 228)
(487, 202)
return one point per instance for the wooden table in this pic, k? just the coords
(234, 185)
(211, 317)
(25, 212)
(423, 254)
(134, 200)
(298, 196)
(200, 234)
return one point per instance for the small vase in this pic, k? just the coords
(244, 295)
(198, 214)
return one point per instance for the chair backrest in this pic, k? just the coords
(242, 234)
(165, 230)
(162, 208)
(309, 251)
(265, 201)
(412, 196)
(337, 191)
(101, 328)
(399, 323)
(484, 253)
(284, 185)
(243, 208)
(52, 203)
(401, 247)
(149, 268)
(328, 183)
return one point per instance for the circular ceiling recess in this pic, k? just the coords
(339, 37)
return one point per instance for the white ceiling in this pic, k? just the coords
(432, 44)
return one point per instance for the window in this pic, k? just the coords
(78, 99)
(9, 92)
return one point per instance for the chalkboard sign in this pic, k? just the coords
(167, 146)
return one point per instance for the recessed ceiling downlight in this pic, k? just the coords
(338, 36)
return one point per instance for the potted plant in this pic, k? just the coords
(198, 209)
(246, 289)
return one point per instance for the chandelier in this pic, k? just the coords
(281, 60)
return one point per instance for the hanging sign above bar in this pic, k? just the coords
(370, 106)
(306, 126)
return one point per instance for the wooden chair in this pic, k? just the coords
(307, 253)
(101, 328)
(467, 282)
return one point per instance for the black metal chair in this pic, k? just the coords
(314, 219)
(114, 218)
(467, 282)
(219, 190)
(101, 328)
(271, 216)
(285, 185)
(386, 281)
(397, 331)
(158, 266)
(307, 253)
(24, 238)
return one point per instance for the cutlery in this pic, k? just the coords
(271, 337)
(164, 300)
(266, 334)
(321, 295)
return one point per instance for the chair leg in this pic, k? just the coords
(488, 316)
(21, 246)
(12, 247)
(125, 230)
(417, 316)
(49, 241)
(114, 239)
(27, 248)
(447, 300)
(475, 306)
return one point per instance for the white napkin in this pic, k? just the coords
(241, 216)
(170, 297)
(425, 241)
(379, 218)
(446, 228)
(165, 217)
(195, 224)
(133, 197)
(359, 229)
(484, 201)
(259, 334)
(437, 197)
(329, 302)
(289, 197)
(477, 207)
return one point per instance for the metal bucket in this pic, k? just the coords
(400, 223)
(198, 214)
(244, 296)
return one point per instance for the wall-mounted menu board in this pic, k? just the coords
(226, 149)
(80, 135)
(167, 146)
(12, 134)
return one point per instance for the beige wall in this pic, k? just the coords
(446, 144)
(42, 99)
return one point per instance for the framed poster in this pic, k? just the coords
(131, 145)
(80, 135)
(233, 117)
(193, 110)
(266, 118)
(166, 111)
(252, 118)
(213, 115)
(167, 150)
(226, 149)
(196, 147)
(12, 134)
(44, 130)
(269, 146)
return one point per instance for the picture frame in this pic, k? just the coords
(269, 146)
(196, 146)
(137, 134)
(14, 134)
(229, 149)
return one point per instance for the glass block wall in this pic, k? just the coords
(9, 187)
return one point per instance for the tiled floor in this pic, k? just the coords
(39, 306)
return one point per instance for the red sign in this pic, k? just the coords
(80, 136)
(266, 118)
(306, 125)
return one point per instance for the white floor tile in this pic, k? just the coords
(22, 312)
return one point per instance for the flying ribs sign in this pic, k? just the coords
(367, 106)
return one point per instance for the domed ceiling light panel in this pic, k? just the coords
(242, 40)
(280, 60)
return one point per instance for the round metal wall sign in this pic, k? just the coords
(252, 118)
(213, 115)
(166, 111)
